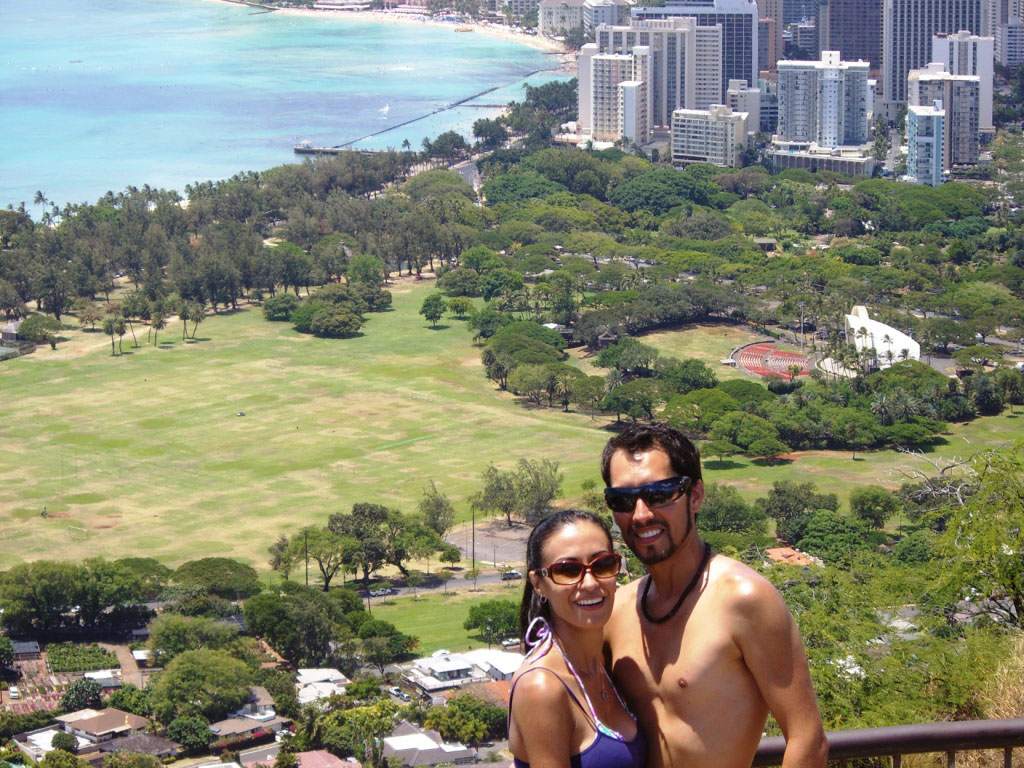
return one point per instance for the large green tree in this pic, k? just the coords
(221, 576)
(984, 538)
(210, 684)
(493, 618)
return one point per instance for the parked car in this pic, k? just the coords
(13, 692)
(394, 690)
(383, 592)
(510, 575)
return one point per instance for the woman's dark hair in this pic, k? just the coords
(531, 606)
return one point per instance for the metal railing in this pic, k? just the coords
(898, 740)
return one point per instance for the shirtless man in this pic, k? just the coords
(703, 648)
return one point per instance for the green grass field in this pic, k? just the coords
(420, 617)
(144, 454)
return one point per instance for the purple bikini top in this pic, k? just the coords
(609, 749)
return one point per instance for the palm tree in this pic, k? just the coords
(184, 312)
(196, 316)
(108, 328)
(120, 328)
(882, 407)
(156, 322)
(904, 406)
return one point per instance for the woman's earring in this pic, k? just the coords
(542, 599)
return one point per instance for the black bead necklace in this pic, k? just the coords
(682, 597)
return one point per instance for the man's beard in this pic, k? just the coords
(652, 556)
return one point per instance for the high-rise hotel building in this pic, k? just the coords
(925, 143)
(824, 102)
(686, 61)
(967, 54)
(738, 20)
(907, 30)
(716, 136)
(614, 94)
(854, 28)
(958, 95)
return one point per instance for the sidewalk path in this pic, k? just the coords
(129, 669)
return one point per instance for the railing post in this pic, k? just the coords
(951, 759)
(897, 760)
(1008, 757)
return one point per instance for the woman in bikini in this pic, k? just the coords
(564, 709)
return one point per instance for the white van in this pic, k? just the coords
(14, 692)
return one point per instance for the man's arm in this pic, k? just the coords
(771, 647)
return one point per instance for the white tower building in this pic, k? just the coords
(967, 54)
(907, 29)
(925, 143)
(959, 97)
(716, 136)
(824, 101)
(739, 22)
(686, 61)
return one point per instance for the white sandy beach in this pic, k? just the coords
(491, 30)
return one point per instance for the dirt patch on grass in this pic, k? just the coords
(495, 541)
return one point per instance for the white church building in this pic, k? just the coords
(890, 345)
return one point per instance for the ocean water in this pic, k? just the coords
(96, 95)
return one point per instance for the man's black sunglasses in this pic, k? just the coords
(622, 500)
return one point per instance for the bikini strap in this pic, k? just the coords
(601, 727)
(558, 677)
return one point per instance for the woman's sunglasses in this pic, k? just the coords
(568, 572)
(622, 500)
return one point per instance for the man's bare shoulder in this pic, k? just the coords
(740, 587)
(623, 616)
(625, 598)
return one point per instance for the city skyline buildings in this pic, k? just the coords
(854, 28)
(686, 66)
(907, 30)
(739, 22)
(966, 54)
(958, 95)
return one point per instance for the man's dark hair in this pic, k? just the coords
(639, 437)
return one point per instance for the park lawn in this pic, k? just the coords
(422, 617)
(839, 472)
(708, 342)
(146, 454)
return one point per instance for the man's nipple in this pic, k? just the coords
(682, 682)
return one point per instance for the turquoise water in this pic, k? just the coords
(96, 95)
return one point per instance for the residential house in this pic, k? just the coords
(791, 556)
(255, 718)
(499, 665)
(319, 684)
(108, 679)
(104, 725)
(26, 650)
(443, 670)
(321, 758)
(144, 743)
(415, 746)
